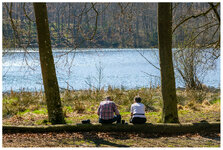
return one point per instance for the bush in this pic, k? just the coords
(79, 107)
(181, 100)
(20, 102)
(196, 95)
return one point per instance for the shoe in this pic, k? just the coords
(86, 121)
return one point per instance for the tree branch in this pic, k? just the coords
(215, 11)
(194, 16)
(147, 60)
(24, 10)
(16, 33)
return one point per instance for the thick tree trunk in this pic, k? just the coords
(55, 113)
(169, 114)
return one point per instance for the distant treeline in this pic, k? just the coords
(101, 25)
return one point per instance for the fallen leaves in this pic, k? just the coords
(109, 139)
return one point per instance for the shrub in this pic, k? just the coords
(196, 95)
(19, 102)
(66, 97)
(181, 99)
(79, 107)
(213, 101)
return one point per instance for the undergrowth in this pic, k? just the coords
(83, 104)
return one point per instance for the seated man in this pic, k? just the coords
(106, 112)
(137, 112)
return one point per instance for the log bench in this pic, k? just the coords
(162, 128)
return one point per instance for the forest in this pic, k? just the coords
(109, 25)
(187, 39)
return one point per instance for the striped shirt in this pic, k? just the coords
(107, 109)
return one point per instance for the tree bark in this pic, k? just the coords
(55, 113)
(169, 112)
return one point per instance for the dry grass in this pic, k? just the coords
(29, 108)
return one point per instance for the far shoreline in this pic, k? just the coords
(62, 90)
(30, 50)
(70, 50)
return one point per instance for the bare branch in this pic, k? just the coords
(24, 9)
(151, 75)
(147, 60)
(193, 39)
(123, 8)
(194, 16)
(215, 11)
(96, 21)
(204, 25)
(16, 33)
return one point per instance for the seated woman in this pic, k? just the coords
(137, 112)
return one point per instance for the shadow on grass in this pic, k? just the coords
(210, 135)
(98, 141)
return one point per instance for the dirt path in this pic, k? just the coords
(102, 139)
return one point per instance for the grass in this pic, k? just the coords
(29, 108)
(214, 101)
(40, 111)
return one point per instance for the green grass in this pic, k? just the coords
(125, 113)
(80, 105)
(183, 112)
(40, 111)
(42, 122)
(69, 121)
(214, 101)
(24, 112)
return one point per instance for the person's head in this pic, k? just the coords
(108, 98)
(137, 99)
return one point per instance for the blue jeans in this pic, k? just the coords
(110, 121)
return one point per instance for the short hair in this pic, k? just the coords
(137, 99)
(108, 98)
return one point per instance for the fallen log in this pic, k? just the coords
(163, 128)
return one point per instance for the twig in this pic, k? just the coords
(147, 60)
(194, 16)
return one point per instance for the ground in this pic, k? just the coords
(27, 108)
(101, 139)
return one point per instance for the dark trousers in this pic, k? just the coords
(138, 120)
(110, 121)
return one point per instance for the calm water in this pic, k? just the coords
(81, 70)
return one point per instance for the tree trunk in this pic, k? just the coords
(55, 113)
(169, 113)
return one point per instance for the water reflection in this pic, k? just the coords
(120, 68)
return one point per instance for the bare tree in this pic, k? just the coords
(192, 64)
(204, 23)
(169, 112)
(55, 113)
(198, 51)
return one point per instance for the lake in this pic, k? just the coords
(84, 69)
